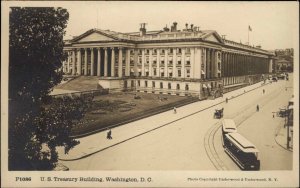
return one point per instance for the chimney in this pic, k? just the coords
(143, 29)
(166, 28)
(174, 26)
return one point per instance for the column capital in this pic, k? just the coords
(91, 48)
(112, 48)
(120, 48)
(105, 48)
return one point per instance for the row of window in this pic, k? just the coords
(161, 86)
(162, 62)
(162, 51)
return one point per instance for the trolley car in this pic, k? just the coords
(228, 126)
(242, 151)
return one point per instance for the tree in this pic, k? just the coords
(37, 123)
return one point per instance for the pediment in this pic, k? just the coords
(213, 37)
(95, 37)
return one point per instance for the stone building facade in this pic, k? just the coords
(188, 62)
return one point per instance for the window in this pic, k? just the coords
(188, 50)
(146, 83)
(153, 84)
(162, 74)
(178, 87)
(154, 72)
(162, 62)
(170, 62)
(179, 50)
(161, 85)
(188, 73)
(170, 74)
(163, 51)
(169, 85)
(154, 62)
(155, 51)
(139, 83)
(147, 73)
(179, 62)
(179, 73)
(171, 50)
(188, 62)
(147, 51)
(186, 87)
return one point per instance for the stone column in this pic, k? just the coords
(98, 62)
(183, 63)
(113, 60)
(92, 62)
(166, 63)
(120, 64)
(85, 62)
(150, 62)
(135, 59)
(105, 62)
(73, 61)
(143, 62)
(79, 61)
(68, 61)
(158, 63)
(174, 63)
(127, 65)
(192, 60)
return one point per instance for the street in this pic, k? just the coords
(191, 138)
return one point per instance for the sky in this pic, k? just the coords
(273, 24)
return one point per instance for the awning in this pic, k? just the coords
(204, 86)
(208, 86)
(202, 72)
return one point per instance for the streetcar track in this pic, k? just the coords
(239, 118)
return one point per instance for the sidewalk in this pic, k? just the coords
(281, 138)
(97, 142)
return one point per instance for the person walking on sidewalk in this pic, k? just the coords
(175, 110)
(263, 91)
(226, 100)
(109, 135)
(257, 108)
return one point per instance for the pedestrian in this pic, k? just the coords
(257, 108)
(109, 135)
(263, 91)
(175, 110)
(273, 115)
(226, 100)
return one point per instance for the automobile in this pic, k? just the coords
(281, 76)
(275, 79)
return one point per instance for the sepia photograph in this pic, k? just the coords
(149, 94)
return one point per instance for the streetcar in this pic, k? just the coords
(242, 151)
(228, 126)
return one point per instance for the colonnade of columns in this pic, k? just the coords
(234, 64)
(192, 62)
(98, 61)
